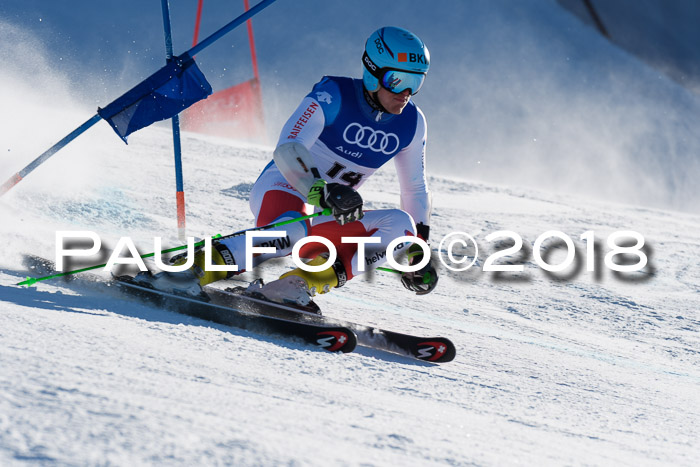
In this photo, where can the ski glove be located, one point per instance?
(425, 279)
(344, 201)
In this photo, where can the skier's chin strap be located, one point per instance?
(373, 101)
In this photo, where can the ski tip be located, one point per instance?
(336, 340)
(438, 350)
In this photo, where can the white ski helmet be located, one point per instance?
(395, 59)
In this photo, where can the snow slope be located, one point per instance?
(574, 371)
(574, 368)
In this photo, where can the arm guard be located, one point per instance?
(295, 163)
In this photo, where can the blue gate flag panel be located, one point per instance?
(164, 94)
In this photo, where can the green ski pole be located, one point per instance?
(29, 281)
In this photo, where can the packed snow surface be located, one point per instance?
(574, 367)
(584, 367)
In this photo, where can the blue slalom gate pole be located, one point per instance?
(177, 147)
(16, 178)
(179, 184)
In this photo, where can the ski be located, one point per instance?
(239, 314)
(432, 349)
(232, 307)
(220, 309)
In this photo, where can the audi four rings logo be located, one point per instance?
(369, 138)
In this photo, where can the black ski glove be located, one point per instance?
(344, 201)
(425, 279)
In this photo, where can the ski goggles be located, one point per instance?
(398, 81)
(395, 80)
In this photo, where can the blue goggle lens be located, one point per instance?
(398, 81)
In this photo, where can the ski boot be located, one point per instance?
(299, 286)
(191, 281)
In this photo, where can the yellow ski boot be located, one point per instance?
(220, 255)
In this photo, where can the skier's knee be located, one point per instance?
(403, 221)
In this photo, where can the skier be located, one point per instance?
(341, 133)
